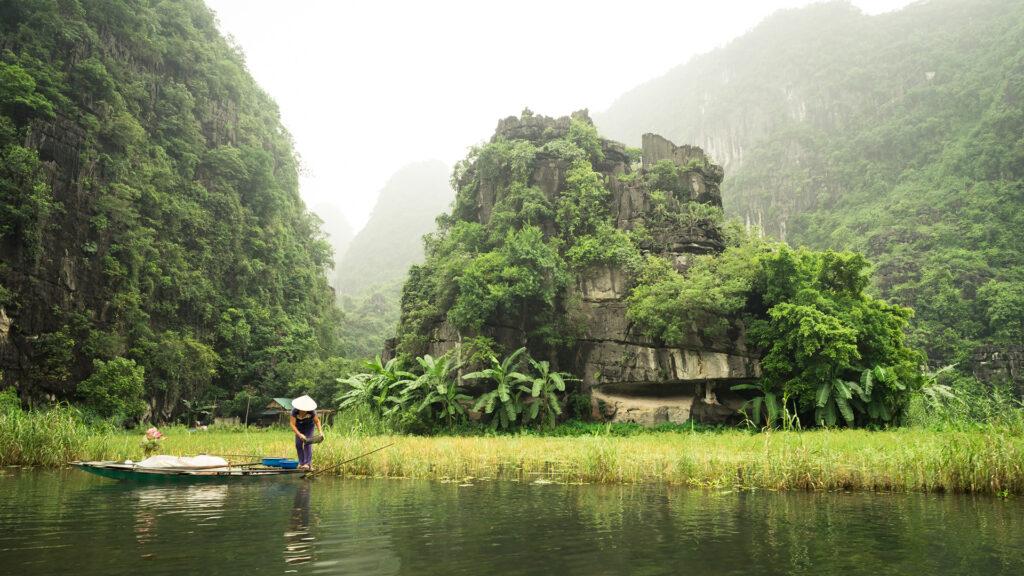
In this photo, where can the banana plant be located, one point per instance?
(434, 371)
(937, 394)
(847, 399)
(358, 390)
(433, 389)
(543, 404)
(504, 402)
(833, 399)
(193, 407)
(375, 388)
(766, 404)
(449, 400)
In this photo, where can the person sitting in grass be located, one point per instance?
(303, 420)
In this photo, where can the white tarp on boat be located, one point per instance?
(165, 461)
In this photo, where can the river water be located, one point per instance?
(67, 522)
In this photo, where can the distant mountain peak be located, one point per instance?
(391, 241)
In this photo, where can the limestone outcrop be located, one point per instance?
(631, 377)
(1000, 365)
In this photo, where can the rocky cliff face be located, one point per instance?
(995, 364)
(791, 107)
(632, 378)
(896, 135)
(58, 276)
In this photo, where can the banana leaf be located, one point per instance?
(860, 391)
(866, 381)
(824, 392)
(772, 403)
(510, 409)
(845, 409)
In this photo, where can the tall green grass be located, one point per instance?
(987, 460)
(47, 438)
(971, 405)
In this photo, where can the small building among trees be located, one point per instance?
(278, 411)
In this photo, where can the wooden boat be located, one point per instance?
(135, 473)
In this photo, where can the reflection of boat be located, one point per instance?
(134, 472)
(191, 498)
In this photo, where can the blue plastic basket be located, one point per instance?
(286, 463)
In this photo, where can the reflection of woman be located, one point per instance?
(298, 540)
(303, 420)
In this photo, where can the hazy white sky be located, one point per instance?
(366, 87)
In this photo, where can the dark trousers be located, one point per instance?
(304, 450)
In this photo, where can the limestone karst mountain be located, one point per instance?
(368, 276)
(149, 210)
(539, 211)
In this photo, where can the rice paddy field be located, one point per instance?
(986, 460)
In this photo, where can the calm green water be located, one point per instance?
(70, 523)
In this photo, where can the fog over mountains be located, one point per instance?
(391, 241)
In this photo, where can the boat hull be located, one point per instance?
(130, 473)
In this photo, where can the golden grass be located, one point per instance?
(897, 460)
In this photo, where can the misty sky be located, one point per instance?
(367, 87)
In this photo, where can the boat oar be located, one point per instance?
(336, 466)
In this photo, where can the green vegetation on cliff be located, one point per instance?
(149, 212)
(896, 135)
(512, 262)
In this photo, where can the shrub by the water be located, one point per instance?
(949, 400)
(518, 392)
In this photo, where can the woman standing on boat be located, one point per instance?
(303, 420)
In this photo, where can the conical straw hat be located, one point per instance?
(304, 403)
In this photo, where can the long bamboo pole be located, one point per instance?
(336, 466)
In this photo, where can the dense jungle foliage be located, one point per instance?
(431, 396)
(154, 243)
(157, 260)
(897, 135)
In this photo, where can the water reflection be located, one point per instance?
(51, 522)
(202, 504)
(298, 540)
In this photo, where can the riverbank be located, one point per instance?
(983, 461)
